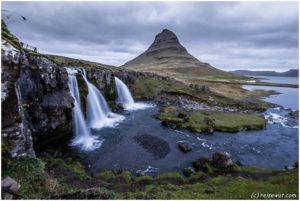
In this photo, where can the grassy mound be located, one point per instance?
(197, 121)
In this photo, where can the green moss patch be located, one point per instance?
(227, 77)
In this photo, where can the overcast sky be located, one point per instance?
(228, 35)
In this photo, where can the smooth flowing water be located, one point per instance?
(99, 115)
(82, 137)
(125, 98)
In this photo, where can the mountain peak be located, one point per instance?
(166, 36)
(166, 39)
(166, 56)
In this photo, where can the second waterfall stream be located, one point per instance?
(98, 113)
(125, 98)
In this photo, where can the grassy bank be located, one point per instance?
(197, 121)
(63, 178)
(221, 187)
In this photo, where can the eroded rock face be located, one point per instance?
(36, 103)
(105, 82)
(14, 125)
(45, 93)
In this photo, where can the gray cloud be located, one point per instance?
(229, 35)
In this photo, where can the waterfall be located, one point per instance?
(82, 137)
(99, 115)
(124, 95)
(125, 98)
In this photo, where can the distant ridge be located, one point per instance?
(166, 56)
(289, 73)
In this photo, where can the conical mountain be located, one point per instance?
(166, 56)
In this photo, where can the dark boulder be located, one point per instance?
(210, 125)
(9, 188)
(185, 147)
(169, 124)
(182, 115)
(202, 164)
(222, 160)
(296, 164)
(209, 190)
(188, 171)
(294, 114)
(201, 88)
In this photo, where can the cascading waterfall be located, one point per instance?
(99, 115)
(124, 95)
(125, 98)
(82, 138)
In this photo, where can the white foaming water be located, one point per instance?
(82, 138)
(274, 118)
(99, 115)
(125, 98)
(149, 169)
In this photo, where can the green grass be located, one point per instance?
(168, 175)
(37, 183)
(154, 87)
(227, 77)
(29, 172)
(70, 165)
(233, 122)
(225, 187)
(8, 36)
(66, 61)
(219, 121)
(255, 169)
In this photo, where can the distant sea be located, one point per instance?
(289, 97)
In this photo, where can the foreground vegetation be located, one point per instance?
(47, 177)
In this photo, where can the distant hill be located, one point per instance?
(166, 56)
(289, 73)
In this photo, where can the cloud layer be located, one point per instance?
(228, 35)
